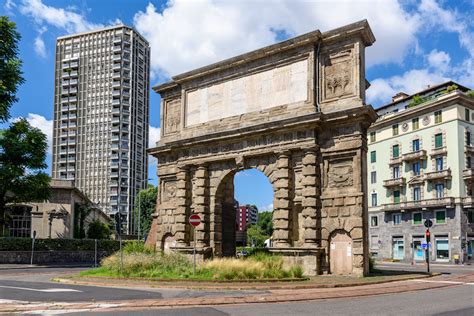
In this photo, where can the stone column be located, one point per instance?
(282, 203)
(201, 205)
(310, 193)
(182, 207)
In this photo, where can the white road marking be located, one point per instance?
(39, 290)
(441, 281)
(56, 312)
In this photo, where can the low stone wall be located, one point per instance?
(51, 257)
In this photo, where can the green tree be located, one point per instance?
(146, 200)
(98, 230)
(255, 236)
(10, 66)
(22, 159)
(22, 147)
(265, 222)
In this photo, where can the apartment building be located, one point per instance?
(245, 215)
(419, 165)
(101, 115)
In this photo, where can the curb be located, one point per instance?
(102, 282)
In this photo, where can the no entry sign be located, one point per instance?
(194, 220)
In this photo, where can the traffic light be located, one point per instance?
(428, 236)
(118, 223)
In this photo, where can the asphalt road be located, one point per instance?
(456, 301)
(34, 285)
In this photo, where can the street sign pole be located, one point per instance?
(194, 220)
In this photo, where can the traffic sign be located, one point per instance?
(428, 223)
(194, 220)
(424, 246)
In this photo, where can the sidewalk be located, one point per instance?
(282, 295)
(420, 263)
(37, 266)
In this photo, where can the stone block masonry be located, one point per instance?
(307, 135)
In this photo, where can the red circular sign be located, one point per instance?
(194, 220)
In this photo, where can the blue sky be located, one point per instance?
(419, 43)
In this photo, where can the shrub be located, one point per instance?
(98, 230)
(24, 244)
(452, 88)
(470, 93)
(371, 264)
(135, 246)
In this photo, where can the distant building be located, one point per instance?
(57, 217)
(101, 115)
(420, 166)
(245, 216)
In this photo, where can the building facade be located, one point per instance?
(101, 115)
(246, 215)
(419, 167)
(57, 217)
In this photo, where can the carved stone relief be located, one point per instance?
(173, 116)
(340, 174)
(169, 190)
(338, 75)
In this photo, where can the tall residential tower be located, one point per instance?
(101, 115)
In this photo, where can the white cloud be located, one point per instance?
(266, 208)
(65, 19)
(439, 60)
(381, 90)
(189, 34)
(40, 48)
(154, 135)
(9, 5)
(45, 125)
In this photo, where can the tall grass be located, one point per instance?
(144, 263)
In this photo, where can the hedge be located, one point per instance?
(24, 244)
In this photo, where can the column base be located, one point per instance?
(309, 258)
(202, 253)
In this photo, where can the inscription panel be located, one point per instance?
(278, 86)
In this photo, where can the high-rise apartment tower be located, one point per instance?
(101, 115)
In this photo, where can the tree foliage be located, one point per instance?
(22, 159)
(146, 200)
(265, 223)
(10, 66)
(98, 230)
(258, 233)
(22, 147)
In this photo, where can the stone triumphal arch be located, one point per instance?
(295, 111)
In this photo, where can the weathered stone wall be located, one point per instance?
(309, 140)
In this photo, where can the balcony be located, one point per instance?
(117, 48)
(397, 182)
(469, 149)
(468, 202)
(116, 84)
(438, 151)
(468, 174)
(117, 57)
(436, 175)
(115, 101)
(117, 66)
(116, 93)
(116, 74)
(447, 202)
(117, 39)
(395, 161)
(415, 155)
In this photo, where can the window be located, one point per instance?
(373, 156)
(416, 168)
(440, 217)
(470, 217)
(395, 151)
(468, 162)
(374, 221)
(373, 177)
(415, 124)
(396, 172)
(439, 163)
(396, 196)
(438, 117)
(374, 199)
(468, 138)
(417, 218)
(395, 130)
(439, 190)
(374, 241)
(467, 115)
(397, 219)
(415, 145)
(438, 140)
(416, 194)
(372, 137)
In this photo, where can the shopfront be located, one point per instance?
(442, 248)
(418, 251)
(398, 246)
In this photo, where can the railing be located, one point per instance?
(395, 161)
(442, 174)
(394, 182)
(443, 202)
(438, 151)
(415, 155)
